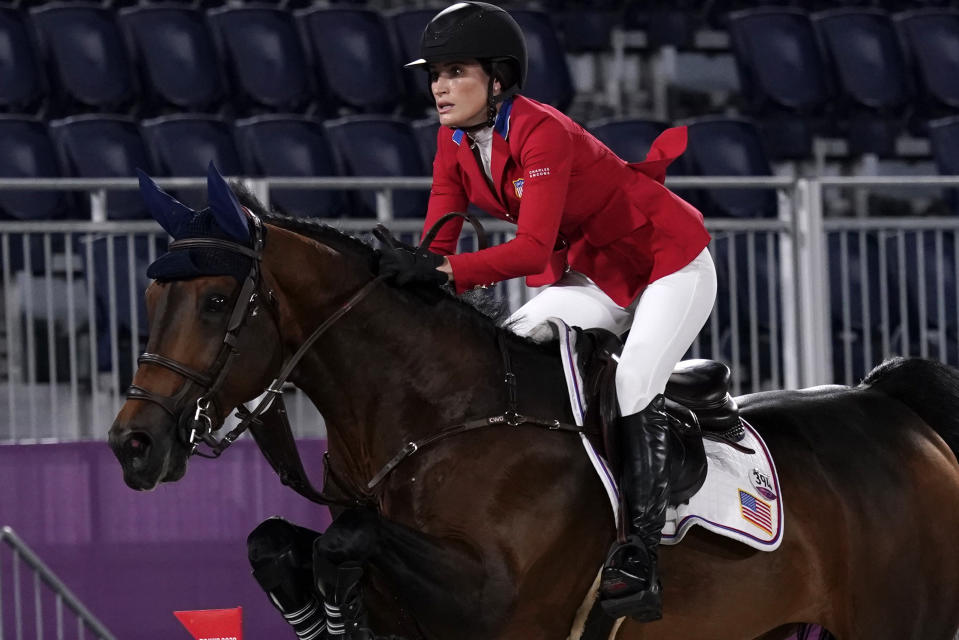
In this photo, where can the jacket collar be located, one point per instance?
(500, 126)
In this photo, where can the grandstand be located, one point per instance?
(824, 153)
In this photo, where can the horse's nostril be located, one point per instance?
(137, 447)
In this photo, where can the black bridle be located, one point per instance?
(196, 425)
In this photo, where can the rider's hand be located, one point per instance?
(407, 267)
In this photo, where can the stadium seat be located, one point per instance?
(183, 146)
(629, 138)
(291, 145)
(925, 261)
(115, 296)
(88, 62)
(104, 146)
(783, 77)
(174, 52)
(21, 86)
(408, 26)
(856, 278)
(380, 146)
(730, 147)
(548, 79)
(426, 131)
(26, 151)
(870, 68)
(355, 57)
(265, 58)
(932, 37)
(944, 139)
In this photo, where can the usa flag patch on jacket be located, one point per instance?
(518, 187)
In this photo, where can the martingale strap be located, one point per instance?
(511, 418)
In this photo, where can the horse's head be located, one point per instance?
(209, 315)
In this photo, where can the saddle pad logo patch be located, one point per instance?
(518, 187)
(756, 511)
(762, 484)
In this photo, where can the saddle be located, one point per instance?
(698, 406)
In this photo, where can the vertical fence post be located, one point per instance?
(384, 205)
(812, 286)
(790, 207)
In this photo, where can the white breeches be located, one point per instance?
(662, 322)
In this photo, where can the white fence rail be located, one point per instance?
(51, 610)
(803, 299)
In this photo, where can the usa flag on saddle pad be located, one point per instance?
(755, 510)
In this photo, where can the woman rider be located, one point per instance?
(616, 248)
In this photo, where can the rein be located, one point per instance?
(277, 443)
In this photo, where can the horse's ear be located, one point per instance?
(225, 207)
(165, 209)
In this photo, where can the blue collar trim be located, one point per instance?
(501, 126)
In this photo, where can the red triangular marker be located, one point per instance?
(213, 624)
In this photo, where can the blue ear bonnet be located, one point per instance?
(224, 219)
(194, 263)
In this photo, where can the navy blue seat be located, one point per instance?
(265, 58)
(26, 151)
(730, 147)
(927, 264)
(353, 54)
(290, 146)
(783, 76)
(944, 139)
(588, 29)
(183, 146)
(117, 298)
(408, 26)
(88, 62)
(864, 50)
(174, 52)
(629, 138)
(932, 37)
(857, 307)
(426, 131)
(380, 146)
(104, 146)
(548, 79)
(21, 79)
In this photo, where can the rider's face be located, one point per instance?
(459, 89)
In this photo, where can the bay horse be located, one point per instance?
(499, 533)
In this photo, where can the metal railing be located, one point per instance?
(74, 322)
(51, 600)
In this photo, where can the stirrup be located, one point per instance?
(623, 591)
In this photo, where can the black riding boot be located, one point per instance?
(281, 556)
(630, 584)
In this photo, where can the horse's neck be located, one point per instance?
(388, 371)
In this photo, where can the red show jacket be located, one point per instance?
(576, 204)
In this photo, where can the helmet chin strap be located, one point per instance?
(492, 101)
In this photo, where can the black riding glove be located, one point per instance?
(407, 267)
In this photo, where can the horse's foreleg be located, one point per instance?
(413, 574)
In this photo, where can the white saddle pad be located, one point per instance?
(740, 498)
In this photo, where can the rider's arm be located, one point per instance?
(546, 158)
(447, 194)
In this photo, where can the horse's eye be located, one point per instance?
(215, 303)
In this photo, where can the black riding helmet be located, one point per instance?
(481, 31)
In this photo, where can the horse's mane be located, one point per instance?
(481, 308)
